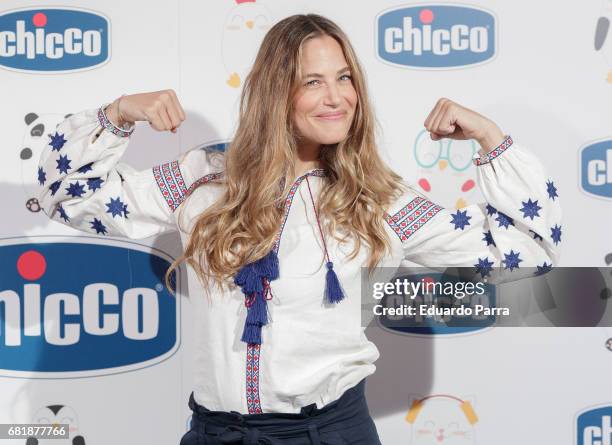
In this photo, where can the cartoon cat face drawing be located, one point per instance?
(442, 420)
(445, 172)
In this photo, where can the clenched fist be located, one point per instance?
(161, 109)
(448, 119)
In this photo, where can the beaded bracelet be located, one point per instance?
(106, 123)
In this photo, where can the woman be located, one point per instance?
(276, 230)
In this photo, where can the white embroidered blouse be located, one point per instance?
(311, 352)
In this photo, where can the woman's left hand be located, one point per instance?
(448, 119)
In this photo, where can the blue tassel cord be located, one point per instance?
(333, 290)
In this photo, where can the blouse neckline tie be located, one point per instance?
(254, 278)
(333, 291)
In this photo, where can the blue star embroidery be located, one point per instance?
(460, 219)
(63, 164)
(491, 210)
(555, 234)
(488, 238)
(552, 190)
(85, 168)
(484, 266)
(536, 236)
(94, 183)
(62, 213)
(504, 220)
(75, 189)
(57, 141)
(543, 269)
(42, 176)
(116, 207)
(511, 260)
(530, 209)
(54, 187)
(98, 226)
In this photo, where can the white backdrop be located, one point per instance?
(546, 84)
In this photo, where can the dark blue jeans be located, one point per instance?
(342, 422)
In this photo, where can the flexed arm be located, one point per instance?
(83, 184)
(519, 225)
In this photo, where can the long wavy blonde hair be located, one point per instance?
(241, 226)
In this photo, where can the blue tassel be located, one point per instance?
(257, 313)
(333, 291)
(257, 316)
(251, 278)
(268, 266)
(251, 334)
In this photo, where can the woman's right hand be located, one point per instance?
(161, 109)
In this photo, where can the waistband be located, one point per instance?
(268, 428)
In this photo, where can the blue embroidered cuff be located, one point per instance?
(106, 123)
(506, 144)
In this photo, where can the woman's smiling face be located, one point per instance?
(324, 104)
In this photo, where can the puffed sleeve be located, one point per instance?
(83, 184)
(518, 227)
